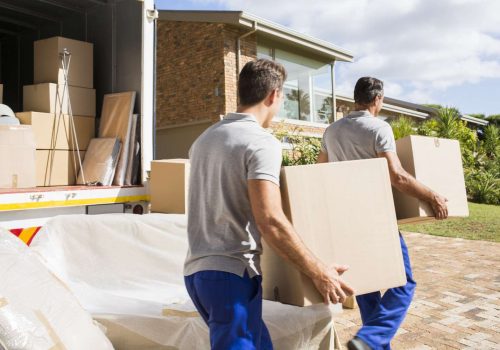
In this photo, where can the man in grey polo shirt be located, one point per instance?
(361, 135)
(234, 199)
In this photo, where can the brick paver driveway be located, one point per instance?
(457, 302)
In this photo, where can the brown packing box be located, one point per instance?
(17, 156)
(345, 215)
(49, 98)
(56, 133)
(169, 185)
(48, 67)
(437, 163)
(56, 167)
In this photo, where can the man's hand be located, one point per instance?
(439, 206)
(331, 286)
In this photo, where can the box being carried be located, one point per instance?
(344, 213)
(48, 67)
(169, 186)
(437, 163)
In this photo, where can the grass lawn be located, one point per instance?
(482, 224)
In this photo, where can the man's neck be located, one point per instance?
(258, 111)
(370, 109)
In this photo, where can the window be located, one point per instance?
(308, 89)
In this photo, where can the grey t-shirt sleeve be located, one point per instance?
(323, 144)
(384, 140)
(264, 162)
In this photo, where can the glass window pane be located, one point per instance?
(264, 52)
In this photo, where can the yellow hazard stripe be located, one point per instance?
(72, 203)
(27, 233)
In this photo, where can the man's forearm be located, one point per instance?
(407, 184)
(281, 236)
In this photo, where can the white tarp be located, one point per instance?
(127, 271)
(37, 312)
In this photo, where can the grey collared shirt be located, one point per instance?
(222, 232)
(359, 135)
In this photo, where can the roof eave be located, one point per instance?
(263, 27)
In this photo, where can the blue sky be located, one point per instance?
(426, 51)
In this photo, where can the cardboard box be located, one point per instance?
(57, 167)
(56, 133)
(48, 66)
(437, 163)
(51, 98)
(169, 186)
(344, 213)
(17, 156)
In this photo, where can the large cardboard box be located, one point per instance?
(17, 156)
(56, 133)
(344, 213)
(48, 67)
(169, 186)
(57, 167)
(437, 163)
(51, 98)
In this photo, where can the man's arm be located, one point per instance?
(406, 183)
(279, 233)
(322, 157)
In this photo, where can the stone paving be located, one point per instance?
(457, 302)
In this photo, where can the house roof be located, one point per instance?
(264, 28)
(474, 120)
(389, 107)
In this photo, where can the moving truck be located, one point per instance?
(123, 34)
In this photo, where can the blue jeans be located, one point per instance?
(382, 315)
(232, 308)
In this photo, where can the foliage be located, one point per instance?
(491, 141)
(478, 115)
(302, 149)
(494, 119)
(402, 127)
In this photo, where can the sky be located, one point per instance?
(426, 51)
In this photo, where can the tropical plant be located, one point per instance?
(491, 141)
(402, 127)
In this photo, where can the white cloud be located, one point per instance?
(418, 47)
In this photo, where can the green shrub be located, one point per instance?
(402, 127)
(303, 149)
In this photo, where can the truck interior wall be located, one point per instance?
(17, 54)
(115, 30)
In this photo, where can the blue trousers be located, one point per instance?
(232, 308)
(382, 315)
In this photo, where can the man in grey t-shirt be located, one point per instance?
(361, 135)
(234, 200)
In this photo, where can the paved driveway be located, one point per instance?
(457, 302)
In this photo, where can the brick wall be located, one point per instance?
(248, 50)
(190, 72)
(196, 71)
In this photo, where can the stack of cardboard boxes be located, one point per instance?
(48, 105)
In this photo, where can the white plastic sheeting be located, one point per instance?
(37, 312)
(127, 271)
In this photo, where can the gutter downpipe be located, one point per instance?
(238, 47)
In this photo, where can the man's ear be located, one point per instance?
(271, 98)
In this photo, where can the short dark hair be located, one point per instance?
(257, 79)
(366, 89)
